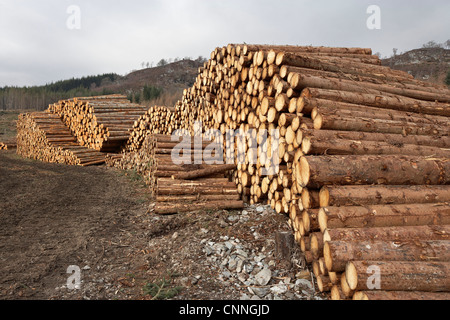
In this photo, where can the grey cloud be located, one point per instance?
(116, 36)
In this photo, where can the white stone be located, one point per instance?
(263, 277)
(279, 289)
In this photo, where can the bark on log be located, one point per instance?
(401, 295)
(386, 233)
(317, 171)
(338, 253)
(396, 139)
(394, 102)
(331, 122)
(196, 190)
(314, 146)
(161, 209)
(313, 106)
(384, 216)
(377, 195)
(301, 82)
(399, 276)
(284, 243)
(203, 172)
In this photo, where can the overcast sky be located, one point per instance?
(37, 46)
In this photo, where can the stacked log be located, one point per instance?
(182, 177)
(43, 136)
(157, 120)
(375, 178)
(361, 147)
(354, 153)
(102, 123)
(9, 144)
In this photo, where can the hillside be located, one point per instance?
(172, 79)
(167, 84)
(428, 64)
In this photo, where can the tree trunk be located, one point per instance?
(312, 106)
(395, 102)
(338, 253)
(317, 171)
(314, 146)
(192, 175)
(401, 295)
(335, 196)
(399, 275)
(301, 82)
(161, 209)
(195, 190)
(384, 216)
(332, 122)
(284, 243)
(395, 139)
(386, 233)
(310, 220)
(324, 283)
(199, 197)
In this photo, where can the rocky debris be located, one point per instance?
(253, 269)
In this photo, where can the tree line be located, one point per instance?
(39, 97)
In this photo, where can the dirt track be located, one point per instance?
(99, 219)
(54, 216)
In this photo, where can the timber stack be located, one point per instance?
(364, 171)
(102, 123)
(3, 146)
(182, 177)
(43, 136)
(157, 120)
(356, 155)
(186, 178)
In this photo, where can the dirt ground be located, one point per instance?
(99, 219)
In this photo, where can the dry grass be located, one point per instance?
(168, 99)
(8, 119)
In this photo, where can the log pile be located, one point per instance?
(356, 155)
(102, 123)
(181, 178)
(363, 149)
(43, 136)
(8, 144)
(157, 120)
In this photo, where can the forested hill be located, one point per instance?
(39, 97)
(161, 85)
(427, 64)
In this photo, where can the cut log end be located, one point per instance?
(305, 174)
(360, 296)
(336, 293)
(318, 122)
(351, 275)
(324, 197)
(327, 256)
(323, 219)
(306, 145)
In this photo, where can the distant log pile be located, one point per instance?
(363, 149)
(102, 123)
(42, 136)
(9, 144)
